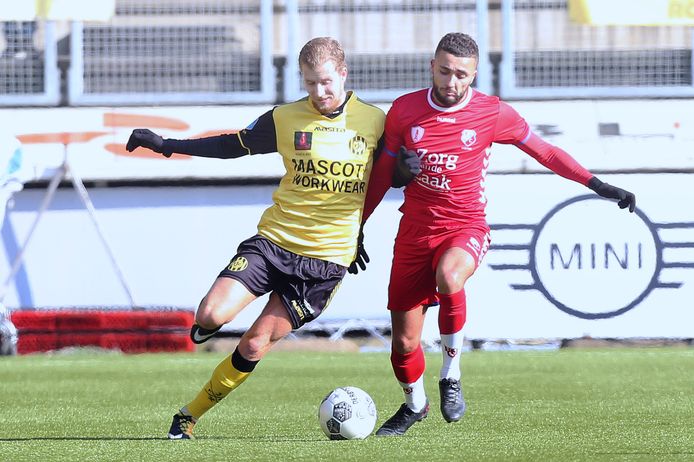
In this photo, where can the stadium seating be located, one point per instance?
(558, 68)
(176, 58)
(21, 76)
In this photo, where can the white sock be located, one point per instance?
(415, 396)
(451, 345)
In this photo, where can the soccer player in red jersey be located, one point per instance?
(445, 134)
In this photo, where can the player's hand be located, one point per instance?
(408, 166)
(362, 257)
(147, 139)
(625, 198)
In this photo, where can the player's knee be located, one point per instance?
(453, 272)
(403, 344)
(451, 281)
(207, 315)
(253, 347)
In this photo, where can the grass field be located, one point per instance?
(612, 404)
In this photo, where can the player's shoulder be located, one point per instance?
(413, 98)
(361, 105)
(484, 99)
(293, 106)
(361, 112)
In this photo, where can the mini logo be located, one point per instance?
(417, 133)
(357, 145)
(566, 263)
(447, 120)
(451, 352)
(238, 264)
(407, 390)
(468, 137)
(302, 141)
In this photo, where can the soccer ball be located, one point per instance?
(347, 413)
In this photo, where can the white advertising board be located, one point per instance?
(568, 264)
(563, 264)
(649, 135)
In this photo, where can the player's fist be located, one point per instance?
(408, 166)
(362, 257)
(147, 139)
(624, 198)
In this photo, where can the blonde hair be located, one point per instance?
(321, 49)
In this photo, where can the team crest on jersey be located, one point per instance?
(468, 137)
(302, 141)
(417, 133)
(357, 145)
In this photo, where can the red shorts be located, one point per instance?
(415, 257)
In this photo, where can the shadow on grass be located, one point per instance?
(158, 438)
(86, 438)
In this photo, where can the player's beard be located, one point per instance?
(447, 100)
(326, 106)
(330, 105)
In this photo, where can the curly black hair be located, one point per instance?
(459, 44)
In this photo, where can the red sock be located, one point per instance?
(452, 312)
(408, 367)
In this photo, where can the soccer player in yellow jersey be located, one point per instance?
(307, 239)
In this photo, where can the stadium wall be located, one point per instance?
(563, 264)
(604, 135)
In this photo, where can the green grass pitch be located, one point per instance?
(611, 404)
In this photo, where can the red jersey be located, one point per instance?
(454, 145)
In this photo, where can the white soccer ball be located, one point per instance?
(347, 413)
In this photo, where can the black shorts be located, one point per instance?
(305, 285)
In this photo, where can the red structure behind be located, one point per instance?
(128, 331)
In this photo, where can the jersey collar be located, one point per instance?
(466, 99)
(340, 109)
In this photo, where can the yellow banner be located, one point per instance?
(58, 10)
(76, 10)
(632, 12)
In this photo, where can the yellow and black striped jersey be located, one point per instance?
(317, 208)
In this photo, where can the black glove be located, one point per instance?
(147, 139)
(408, 166)
(625, 198)
(362, 257)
